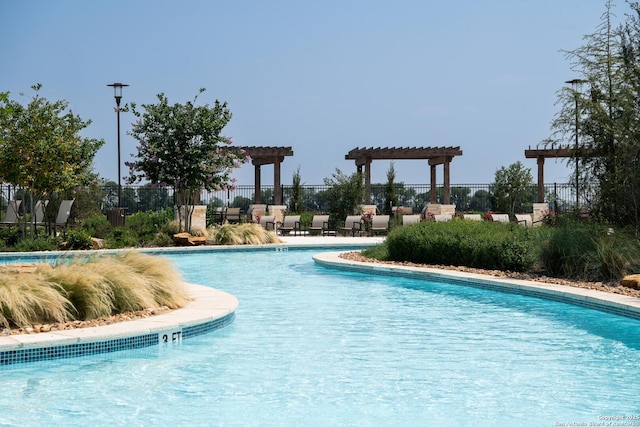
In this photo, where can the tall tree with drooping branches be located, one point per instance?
(181, 146)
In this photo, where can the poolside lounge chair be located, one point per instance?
(352, 224)
(411, 219)
(379, 224)
(62, 219)
(443, 217)
(319, 224)
(524, 219)
(268, 222)
(12, 216)
(219, 215)
(472, 217)
(291, 223)
(233, 215)
(39, 210)
(500, 217)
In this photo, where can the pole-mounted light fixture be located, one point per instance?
(576, 84)
(117, 94)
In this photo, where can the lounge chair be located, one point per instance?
(291, 223)
(39, 210)
(12, 216)
(524, 219)
(219, 215)
(352, 224)
(233, 215)
(411, 219)
(268, 222)
(472, 217)
(500, 218)
(443, 217)
(319, 224)
(379, 224)
(62, 219)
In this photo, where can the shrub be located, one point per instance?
(97, 225)
(40, 243)
(579, 250)
(77, 240)
(477, 244)
(146, 224)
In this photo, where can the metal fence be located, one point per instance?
(466, 197)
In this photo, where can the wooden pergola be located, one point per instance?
(267, 156)
(435, 156)
(551, 153)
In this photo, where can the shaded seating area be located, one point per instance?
(290, 224)
(319, 224)
(352, 224)
(379, 224)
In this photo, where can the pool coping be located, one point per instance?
(208, 310)
(622, 305)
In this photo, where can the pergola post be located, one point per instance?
(256, 181)
(540, 179)
(447, 181)
(277, 187)
(433, 199)
(367, 181)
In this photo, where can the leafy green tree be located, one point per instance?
(344, 195)
(41, 148)
(181, 146)
(390, 196)
(511, 188)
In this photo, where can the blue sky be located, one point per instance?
(322, 77)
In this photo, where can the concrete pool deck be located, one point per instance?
(216, 308)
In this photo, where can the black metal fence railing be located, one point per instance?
(466, 197)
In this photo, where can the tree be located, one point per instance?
(511, 187)
(344, 194)
(390, 197)
(295, 201)
(606, 117)
(181, 146)
(41, 148)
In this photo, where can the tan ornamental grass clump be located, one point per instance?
(242, 234)
(89, 288)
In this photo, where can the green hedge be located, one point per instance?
(480, 244)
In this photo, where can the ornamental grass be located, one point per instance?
(88, 288)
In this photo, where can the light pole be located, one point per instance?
(576, 85)
(117, 94)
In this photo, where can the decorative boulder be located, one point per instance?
(631, 281)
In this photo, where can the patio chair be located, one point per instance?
(411, 219)
(524, 219)
(12, 216)
(379, 224)
(291, 223)
(443, 217)
(500, 218)
(320, 224)
(268, 222)
(352, 224)
(39, 210)
(233, 215)
(62, 219)
(472, 217)
(219, 215)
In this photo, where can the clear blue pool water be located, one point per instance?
(312, 346)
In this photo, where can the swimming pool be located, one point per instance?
(314, 346)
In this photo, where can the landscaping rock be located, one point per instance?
(631, 281)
